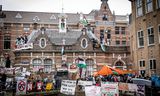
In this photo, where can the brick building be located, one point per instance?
(145, 36)
(53, 40)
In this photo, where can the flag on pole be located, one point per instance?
(84, 21)
(82, 64)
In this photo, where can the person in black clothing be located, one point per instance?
(8, 62)
(3, 80)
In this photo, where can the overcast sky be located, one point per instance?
(121, 7)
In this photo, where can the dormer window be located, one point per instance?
(42, 43)
(105, 17)
(62, 23)
(84, 43)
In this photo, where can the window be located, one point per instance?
(26, 27)
(142, 63)
(47, 65)
(117, 42)
(158, 3)
(101, 36)
(7, 42)
(149, 6)
(117, 30)
(37, 64)
(150, 36)
(62, 23)
(124, 42)
(152, 64)
(42, 43)
(105, 18)
(139, 7)
(84, 43)
(90, 67)
(140, 39)
(123, 30)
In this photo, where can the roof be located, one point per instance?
(41, 17)
(56, 38)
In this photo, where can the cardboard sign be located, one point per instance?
(109, 89)
(29, 86)
(39, 85)
(21, 87)
(49, 86)
(68, 87)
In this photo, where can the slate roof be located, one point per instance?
(44, 17)
(56, 38)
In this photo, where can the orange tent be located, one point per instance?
(119, 71)
(104, 71)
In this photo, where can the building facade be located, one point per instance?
(51, 41)
(145, 36)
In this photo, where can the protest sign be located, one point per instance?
(132, 87)
(109, 89)
(49, 86)
(139, 81)
(85, 83)
(21, 87)
(140, 90)
(92, 91)
(39, 85)
(123, 86)
(29, 86)
(68, 87)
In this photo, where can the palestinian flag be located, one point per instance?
(84, 21)
(82, 64)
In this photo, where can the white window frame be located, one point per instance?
(41, 44)
(139, 7)
(152, 64)
(84, 47)
(48, 66)
(149, 28)
(139, 46)
(148, 2)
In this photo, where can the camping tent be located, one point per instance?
(105, 70)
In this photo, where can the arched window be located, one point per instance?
(37, 64)
(62, 23)
(47, 65)
(90, 67)
(84, 43)
(119, 64)
(42, 43)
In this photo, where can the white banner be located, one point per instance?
(21, 87)
(85, 83)
(109, 89)
(132, 87)
(92, 91)
(68, 87)
(24, 46)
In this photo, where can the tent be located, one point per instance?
(105, 71)
(119, 71)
